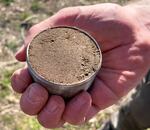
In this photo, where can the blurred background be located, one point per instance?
(16, 17)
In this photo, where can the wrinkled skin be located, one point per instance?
(125, 48)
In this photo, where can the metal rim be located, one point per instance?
(42, 79)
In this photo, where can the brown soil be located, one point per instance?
(63, 55)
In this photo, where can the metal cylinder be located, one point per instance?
(67, 90)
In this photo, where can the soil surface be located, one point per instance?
(64, 55)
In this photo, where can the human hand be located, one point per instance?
(125, 49)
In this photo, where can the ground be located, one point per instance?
(16, 16)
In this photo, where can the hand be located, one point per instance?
(125, 50)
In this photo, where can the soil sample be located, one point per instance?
(64, 56)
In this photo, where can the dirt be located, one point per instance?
(64, 55)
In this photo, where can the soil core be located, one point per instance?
(64, 55)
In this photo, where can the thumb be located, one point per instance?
(65, 16)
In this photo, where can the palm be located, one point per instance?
(122, 66)
(122, 59)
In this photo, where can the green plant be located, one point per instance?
(24, 15)
(5, 80)
(11, 45)
(5, 83)
(35, 6)
(32, 123)
(6, 2)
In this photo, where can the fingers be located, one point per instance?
(77, 109)
(102, 96)
(33, 99)
(50, 116)
(20, 80)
